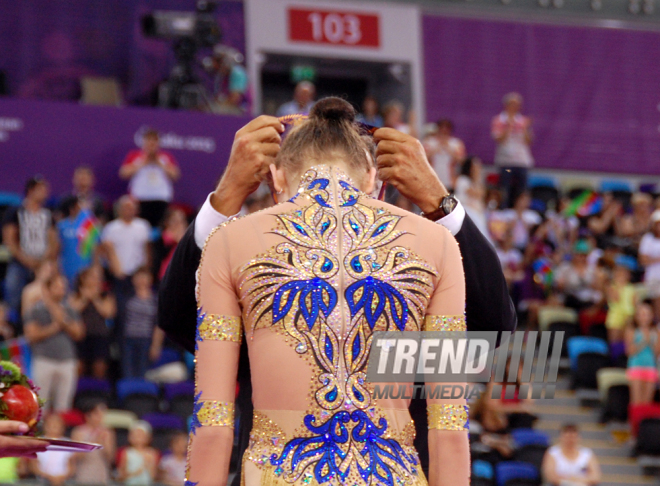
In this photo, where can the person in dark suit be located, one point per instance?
(402, 163)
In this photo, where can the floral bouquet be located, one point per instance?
(18, 397)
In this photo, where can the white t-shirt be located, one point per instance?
(521, 224)
(565, 467)
(514, 150)
(442, 157)
(650, 246)
(54, 463)
(175, 469)
(511, 259)
(151, 182)
(128, 240)
(463, 185)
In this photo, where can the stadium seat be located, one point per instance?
(117, 419)
(648, 437)
(180, 397)
(482, 469)
(585, 344)
(525, 437)
(612, 185)
(137, 395)
(543, 190)
(608, 377)
(549, 314)
(585, 373)
(477, 481)
(509, 470)
(536, 180)
(637, 413)
(531, 454)
(616, 404)
(91, 389)
(168, 355)
(598, 331)
(163, 425)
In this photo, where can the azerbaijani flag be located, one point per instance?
(585, 204)
(88, 233)
(543, 274)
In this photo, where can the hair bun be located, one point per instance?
(333, 109)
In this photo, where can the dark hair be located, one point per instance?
(33, 182)
(466, 166)
(445, 122)
(88, 406)
(151, 133)
(569, 427)
(143, 269)
(330, 128)
(68, 203)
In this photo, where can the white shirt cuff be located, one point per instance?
(207, 219)
(453, 221)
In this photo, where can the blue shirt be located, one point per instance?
(71, 261)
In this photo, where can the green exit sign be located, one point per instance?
(303, 73)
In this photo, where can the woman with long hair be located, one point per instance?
(309, 281)
(641, 340)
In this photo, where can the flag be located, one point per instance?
(88, 233)
(543, 274)
(585, 204)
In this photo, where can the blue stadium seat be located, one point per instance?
(615, 186)
(541, 181)
(135, 386)
(482, 469)
(168, 355)
(585, 344)
(163, 427)
(10, 199)
(508, 470)
(524, 437)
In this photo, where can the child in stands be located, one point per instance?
(620, 299)
(172, 468)
(141, 313)
(138, 464)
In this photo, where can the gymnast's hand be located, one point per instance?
(18, 446)
(255, 147)
(402, 162)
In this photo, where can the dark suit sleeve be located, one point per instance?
(488, 306)
(177, 305)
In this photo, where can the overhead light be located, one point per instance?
(558, 3)
(596, 5)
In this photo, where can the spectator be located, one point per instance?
(303, 100)
(445, 152)
(126, 242)
(520, 219)
(6, 329)
(174, 227)
(151, 173)
(83, 190)
(469, 189)
(393, 117)
(493, 420)
(94, 467)
(52, 327)
(642, 350)
(231, 80)
(605, 224)
(570, 464)
(29, 234)
(649, 258)
(633, 226)
(563, 227)
(511, 259)
(79, 235)
(141, 313)
(95, 308)
(621, 299)
(577, 280)
(53, 467)
(370, 112)
(172, 467)
(34, 291)
(513, 134)
(138, 464)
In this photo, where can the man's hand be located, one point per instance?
(255, 147)
(18, 446)
(403, 164)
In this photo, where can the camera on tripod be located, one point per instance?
(190, 32)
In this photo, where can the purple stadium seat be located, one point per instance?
(182, 388)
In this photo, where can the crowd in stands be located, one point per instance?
(81, 284)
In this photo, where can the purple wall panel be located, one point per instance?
(592, 93)
(52, 138)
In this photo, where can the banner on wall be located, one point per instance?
(52, 138)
